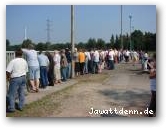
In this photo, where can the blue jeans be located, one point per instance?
(68, 71)
(43, 76)
(86, 66)
(16, 87)
(34, 72)
(95, 67)
(111, 64)
(63, 73)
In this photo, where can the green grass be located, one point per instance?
(45, 106)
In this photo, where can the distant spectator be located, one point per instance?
(50, 69)
(44, 63)
(152, 76)
(81, 61)
(57, 66)
(111, 55)
(76, 60)
(64, 65)
(96, 62)
(145, 61)
(68, 57)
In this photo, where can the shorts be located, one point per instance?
(34, 72)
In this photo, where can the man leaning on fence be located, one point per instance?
(16, 75)
(34, 69)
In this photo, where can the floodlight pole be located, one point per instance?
(121, 30)
(130, 30)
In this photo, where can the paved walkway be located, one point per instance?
(31, 97)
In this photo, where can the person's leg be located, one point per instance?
(67, 71)
(37, 76)
(152, 105)
(58, 75)
(21, 93)
(31, 77)
(113, 65)
(63, 71)
(12, 93)
(46, 76)
(45, 79)
(42, 77)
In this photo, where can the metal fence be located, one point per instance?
(11, 55)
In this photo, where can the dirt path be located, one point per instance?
(125, 88)
(121, 92)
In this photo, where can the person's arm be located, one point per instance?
(8, 75)
(152, 72)
(9, 70)
(24, 50)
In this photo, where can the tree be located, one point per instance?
(7, 45)
(149, 41)
(26, 43)
(112, 41)
(100, 44)
(47, 45)
(126, 44)
(91, 44)
(81, 45)
(136, 38)
(117, 42)
(41, 47)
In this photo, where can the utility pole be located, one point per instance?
(72, 41)
(121, 29)
(130, 30)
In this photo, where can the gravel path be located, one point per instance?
(111, 93)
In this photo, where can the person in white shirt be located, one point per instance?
(111, 55)
(57, 72)
(96, 62)
(145, 62)
(16, 75)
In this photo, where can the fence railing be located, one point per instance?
(11, 55)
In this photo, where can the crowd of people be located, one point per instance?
(48, 69)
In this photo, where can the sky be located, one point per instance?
(90, 21)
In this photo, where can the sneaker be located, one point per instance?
(10, 111)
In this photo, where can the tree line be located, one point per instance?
(139, 41)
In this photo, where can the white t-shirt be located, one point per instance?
(57, 60)
(96, 56)
(111, 55)
(17, 67)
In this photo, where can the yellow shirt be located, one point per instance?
(81, 57)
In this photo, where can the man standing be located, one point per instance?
(16, 74)
(44, 63)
